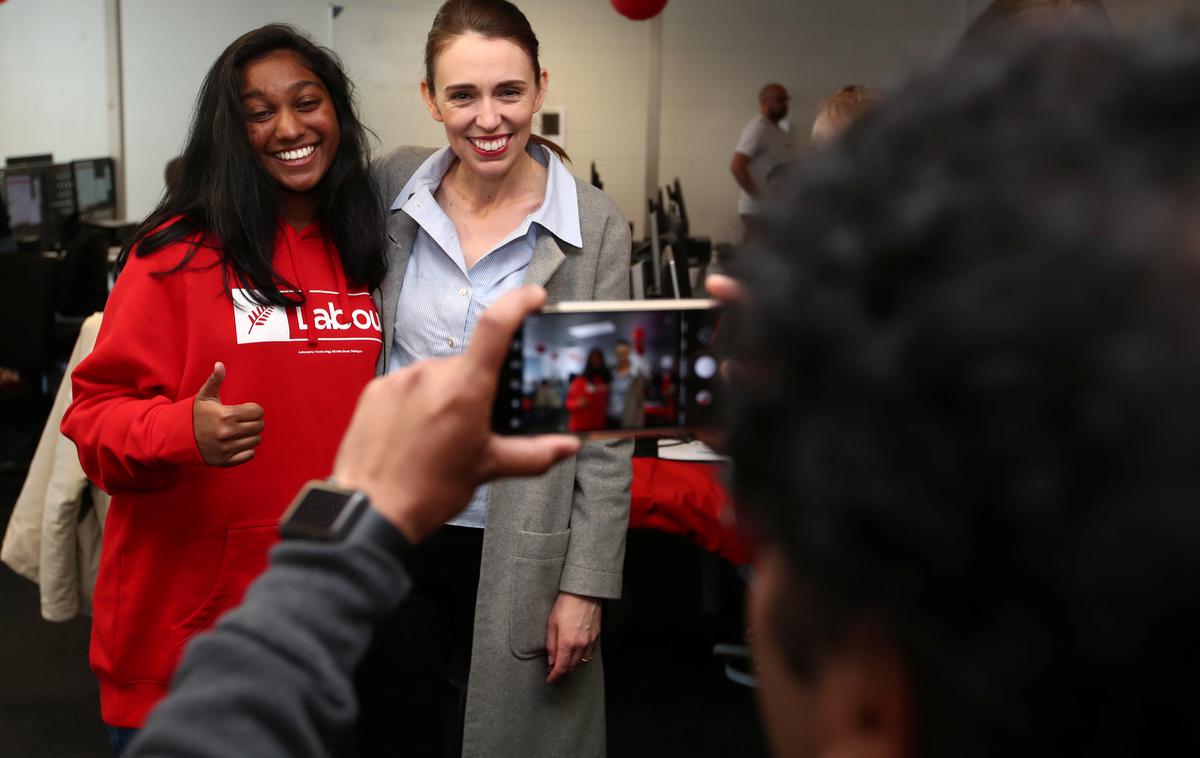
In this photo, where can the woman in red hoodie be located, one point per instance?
(233, 349)
(587, 395)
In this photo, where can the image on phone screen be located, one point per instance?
(612, 369)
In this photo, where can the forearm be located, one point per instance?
(603, 470)
(741, 174)
(130, 443)
(130, 417)
(275, 676)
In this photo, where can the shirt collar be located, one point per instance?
(558, 213)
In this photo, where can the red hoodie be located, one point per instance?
(182, 539)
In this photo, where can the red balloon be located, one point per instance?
(639, 10)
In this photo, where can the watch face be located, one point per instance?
(314, 514)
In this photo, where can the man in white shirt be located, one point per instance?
(763, 152)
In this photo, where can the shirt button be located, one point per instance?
(450, 343)
(462, 292)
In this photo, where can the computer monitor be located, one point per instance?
(37, 159)
(59, 214)
(23, 196)
(95, 189)
(41, 204)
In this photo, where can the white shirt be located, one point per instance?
(768, 146)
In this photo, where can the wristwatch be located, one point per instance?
(328, 513)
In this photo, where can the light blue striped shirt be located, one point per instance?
(441, 298)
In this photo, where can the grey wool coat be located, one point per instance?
(563, 531)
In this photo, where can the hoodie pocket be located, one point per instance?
(537, 569)
(243, 557)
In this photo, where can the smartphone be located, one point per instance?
(618, 368)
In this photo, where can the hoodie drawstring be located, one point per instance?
(306, 304)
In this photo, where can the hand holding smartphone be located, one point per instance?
(619, 368)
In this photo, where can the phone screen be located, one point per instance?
(612, 369)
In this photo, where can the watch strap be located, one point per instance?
(326, 512)
(370, 527)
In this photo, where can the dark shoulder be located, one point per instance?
(392, 171)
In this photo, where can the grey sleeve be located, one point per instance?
(604, 468)
(274, 678)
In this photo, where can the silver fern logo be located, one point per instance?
(259, 316)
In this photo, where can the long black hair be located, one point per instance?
(224, 199)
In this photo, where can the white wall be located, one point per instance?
(53, 79)
(715, 61)
(381, 45)
(167, 48)
(54, 93)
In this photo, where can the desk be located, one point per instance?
(687, 499)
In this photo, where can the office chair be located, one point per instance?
(28, 289)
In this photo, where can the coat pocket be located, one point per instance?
(537, 569)
(243, 558)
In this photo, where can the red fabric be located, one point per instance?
(686, 499)
(182, 540)
(586, 404)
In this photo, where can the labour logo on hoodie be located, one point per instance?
(328, 316)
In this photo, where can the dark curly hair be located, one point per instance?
(222, 196)
(967, 395)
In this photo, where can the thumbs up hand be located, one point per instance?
(225, 434)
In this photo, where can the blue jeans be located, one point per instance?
(119, 738)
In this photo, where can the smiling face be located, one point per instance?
(485, 93)
(290, 121)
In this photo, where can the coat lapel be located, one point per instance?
(547, 257)
(401, 231)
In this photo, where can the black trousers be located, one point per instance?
(412, 684)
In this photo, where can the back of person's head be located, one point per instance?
(171, 173)
(1003, 16)
(966, 392)
(837, 112)
(221, 191)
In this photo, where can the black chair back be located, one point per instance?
(28, 285)
(83, 282)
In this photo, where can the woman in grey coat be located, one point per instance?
(530, 560)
